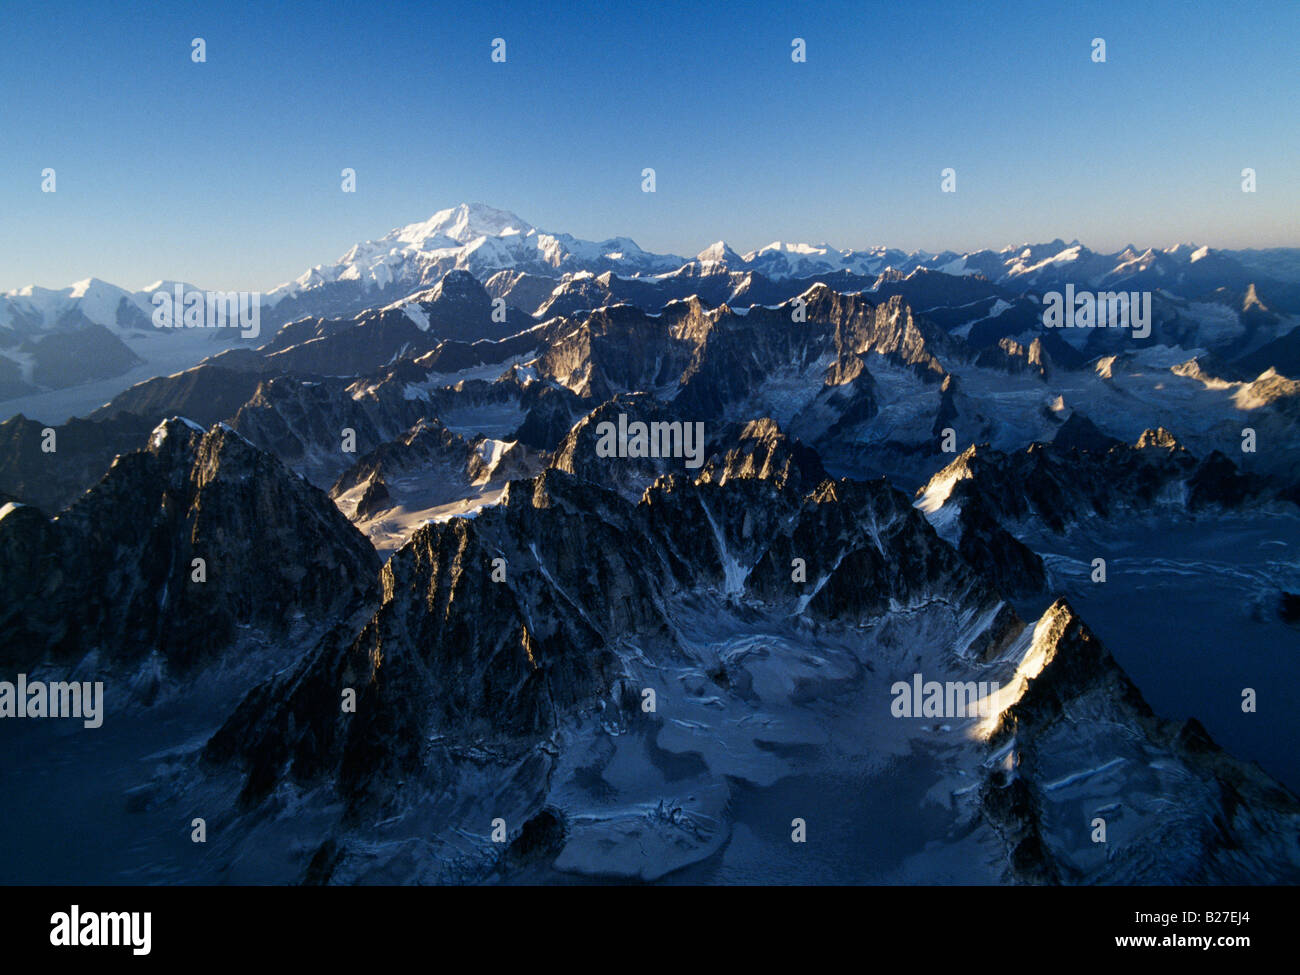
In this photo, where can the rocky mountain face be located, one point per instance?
(1056, 485)
(115, 574)
(428, 468)
(585, 577)
(458, 309)
(303, 423)
(756, 449)
(1205, 817)
(719, 359)
(763, 451)
(578, 453)
(424, 446)
(1013, 357)
(983, 496)
(532, 683)
(520, 289)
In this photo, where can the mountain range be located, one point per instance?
(369, 597)
(483, 240)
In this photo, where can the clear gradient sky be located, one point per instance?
(226, 174)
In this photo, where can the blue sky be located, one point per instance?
(226, 174)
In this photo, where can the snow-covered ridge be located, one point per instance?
(483, 240)
(477, 238)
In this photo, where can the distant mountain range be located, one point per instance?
(483, 241)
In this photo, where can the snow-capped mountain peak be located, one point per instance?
(471, 237)
(462, 224)
(719, 253)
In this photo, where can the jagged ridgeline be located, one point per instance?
(503, 668)
(1082, 475)
(521, 696)
(179, 547)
